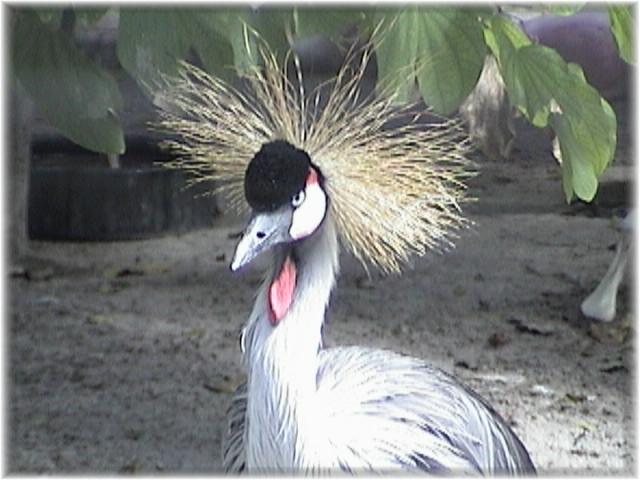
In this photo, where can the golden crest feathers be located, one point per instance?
(393, 174)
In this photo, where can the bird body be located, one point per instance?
(315, 179)
(351, 409)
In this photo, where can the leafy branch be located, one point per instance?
(439, 51)
(73, 93)
(548, 91)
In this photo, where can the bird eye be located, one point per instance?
(297, 199)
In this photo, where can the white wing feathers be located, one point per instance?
(382, 411)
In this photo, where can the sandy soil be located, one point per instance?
(123, 356)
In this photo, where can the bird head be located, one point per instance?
(285, 192)
(393, 172)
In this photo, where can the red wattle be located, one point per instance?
(312, 176)
(281, 291)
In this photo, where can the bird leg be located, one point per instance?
(601, 304)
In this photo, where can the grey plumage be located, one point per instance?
(233, 454)
(399, 399)
(353, 408)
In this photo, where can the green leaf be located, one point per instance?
(547, 90)
(397, 52)
(454, 49)
(585, 155)
(50, 16)
(310, 21)
(73, 93)
(232, 35)
(272, 24)
(622, 29)
(88, 15)
(151, 41)
(442, 47)
(530, 86)
(217, 37)
(503, 37)
(562, 9)
(542, 8)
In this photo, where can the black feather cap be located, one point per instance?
(275, 174)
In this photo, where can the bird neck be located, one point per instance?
(299, 332)
(282, 358)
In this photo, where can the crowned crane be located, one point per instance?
(314, 176)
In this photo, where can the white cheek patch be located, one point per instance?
(307, 217)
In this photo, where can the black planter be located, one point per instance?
(76, 196)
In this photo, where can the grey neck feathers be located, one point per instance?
(299, 331)
(282, 360)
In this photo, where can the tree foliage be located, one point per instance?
(442, 48)
(548, 91)
(73, 93)
(621, 20)
(438, 50)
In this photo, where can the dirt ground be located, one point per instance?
(123, 356)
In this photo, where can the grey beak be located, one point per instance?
(264, 230)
